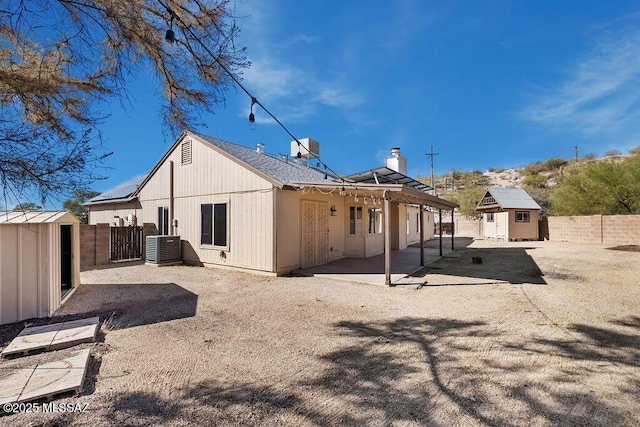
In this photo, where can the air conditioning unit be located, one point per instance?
(162, 249)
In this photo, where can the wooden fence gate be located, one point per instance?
(126, 243)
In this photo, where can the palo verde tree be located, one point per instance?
(603, 187)
(468, 199)
(61, 59)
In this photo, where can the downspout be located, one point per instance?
(274, 213)
(171, 228)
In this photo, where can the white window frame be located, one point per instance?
(377, 221)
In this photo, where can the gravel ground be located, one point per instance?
(539, 333)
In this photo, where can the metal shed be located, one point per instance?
(39, 262)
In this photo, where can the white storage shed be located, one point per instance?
(39, 263)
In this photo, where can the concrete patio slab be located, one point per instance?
(371, 270)
(54, 336)
(43, 381)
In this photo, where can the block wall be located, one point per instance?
(603, 229)
(468, 227)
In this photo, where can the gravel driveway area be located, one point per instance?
(539, 333)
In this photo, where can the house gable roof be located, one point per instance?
(507, 198)
(281, 171)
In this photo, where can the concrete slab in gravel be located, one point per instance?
(44, 381)
(55, 336)
(76, 332)
(12, 382)
(57, 377)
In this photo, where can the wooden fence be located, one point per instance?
(126, 243)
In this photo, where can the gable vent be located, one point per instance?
(186, 152)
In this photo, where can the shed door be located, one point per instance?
(315, 233)
(501, 225)
(66, 257)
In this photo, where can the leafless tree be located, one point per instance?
(61, 59)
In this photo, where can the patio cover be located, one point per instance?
(400, 192)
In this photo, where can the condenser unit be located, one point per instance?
(162, 249)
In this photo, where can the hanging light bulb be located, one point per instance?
(252, 117)
(342, 191)
(170, 36)
(365, 200)
(355, 199)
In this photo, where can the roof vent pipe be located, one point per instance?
(260, 147)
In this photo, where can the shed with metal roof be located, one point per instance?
(509, 214)
(39, 262)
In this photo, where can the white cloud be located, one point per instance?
(277, 79)
(601, 94)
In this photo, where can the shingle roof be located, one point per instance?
(282, 169)
(513, 198)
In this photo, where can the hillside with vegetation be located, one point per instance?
(609, 185)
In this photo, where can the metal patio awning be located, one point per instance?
(403, 193)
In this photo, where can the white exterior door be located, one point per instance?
(315, 233)
(501, 225)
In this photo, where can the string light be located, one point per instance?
(365, 200)
(355, 199)
(170, 36)
(252, 117)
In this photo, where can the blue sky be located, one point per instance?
(487, 83)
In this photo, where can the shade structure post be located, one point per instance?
(452, 230)
(421, 219)
(387, 237)
(440, 219)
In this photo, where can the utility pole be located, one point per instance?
(431, 154)
(576, 147)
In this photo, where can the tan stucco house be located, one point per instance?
(243, 207)
(509, 214)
